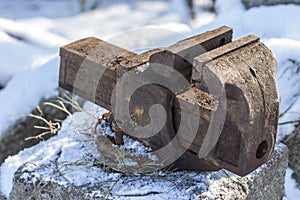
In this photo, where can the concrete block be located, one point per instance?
(65, 167)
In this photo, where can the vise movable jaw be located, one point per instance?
(219, 97)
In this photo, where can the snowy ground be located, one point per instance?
(32, 31)
(72, 160)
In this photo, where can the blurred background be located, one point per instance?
(31, 32)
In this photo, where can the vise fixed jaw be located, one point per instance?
(222, 113)
(245, 69)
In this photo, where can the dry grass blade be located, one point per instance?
(52, 127)
(70, 101)
(40, 118)
(62, 107)
(286, 111)
(42, 127)
(289, 122)
(40, 136)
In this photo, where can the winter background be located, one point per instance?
(31, 33)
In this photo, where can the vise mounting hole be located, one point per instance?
(262, 149)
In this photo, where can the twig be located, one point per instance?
(284, 112)
(289, 122)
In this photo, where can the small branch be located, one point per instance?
(288, 122)
(141, 195)
(284, 112)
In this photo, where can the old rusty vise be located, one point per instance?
(211, 102)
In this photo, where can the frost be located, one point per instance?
(141, 68)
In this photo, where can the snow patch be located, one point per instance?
(25, 90)
(70, 158)
(291, 188)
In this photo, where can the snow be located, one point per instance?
(59, 147)
(291, 189)
(25, 90)
(20, 9)
(39, 39)
(32, 31)
(60, 165)
(260, 21)
(79, 169)
(287, 52)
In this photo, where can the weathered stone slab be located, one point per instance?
(65, 167)
(293, 143)
(255, 3)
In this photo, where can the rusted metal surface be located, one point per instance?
(247, 70)
(217, 78)
(87, 62)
